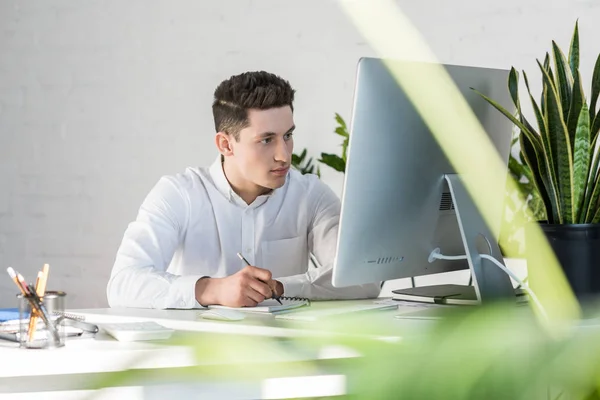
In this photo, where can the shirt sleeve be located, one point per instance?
(139, 277)
(316, 283)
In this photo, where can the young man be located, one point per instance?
(181, 251)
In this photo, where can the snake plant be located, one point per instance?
(561, 151)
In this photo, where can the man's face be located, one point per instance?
(263, 153)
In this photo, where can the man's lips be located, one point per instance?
(280, 171)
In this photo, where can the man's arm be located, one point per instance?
(315, 284)
(139, 277)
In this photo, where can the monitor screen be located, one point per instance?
(397, 202)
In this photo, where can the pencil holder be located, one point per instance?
(37, 327)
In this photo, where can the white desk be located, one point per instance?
(82, 362)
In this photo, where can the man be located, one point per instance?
(181, 251)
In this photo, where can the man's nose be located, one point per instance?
(282, 152)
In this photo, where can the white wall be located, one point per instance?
(98, 99)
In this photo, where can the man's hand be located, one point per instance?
(246, 288)
(278, 288)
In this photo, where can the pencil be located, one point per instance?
(34, 301)
(33, 318)
(40, 290)
(20, 282)
(273, 293)
(13, 275)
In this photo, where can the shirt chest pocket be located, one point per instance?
(285, 257)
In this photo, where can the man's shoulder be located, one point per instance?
(310, 184)
(304, 181)
(191, 179)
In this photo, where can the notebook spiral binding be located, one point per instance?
(68, 315)
(295, 298)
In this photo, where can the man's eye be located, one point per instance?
(266, 140)
(288, 135)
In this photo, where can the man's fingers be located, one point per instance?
(261, 288)
(254, 296)
(260, 273)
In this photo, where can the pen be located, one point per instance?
(273, 294)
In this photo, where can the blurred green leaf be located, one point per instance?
(334, 161)
(304, 168)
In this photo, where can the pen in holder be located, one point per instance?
(38, 320)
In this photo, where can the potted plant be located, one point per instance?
(562, 155)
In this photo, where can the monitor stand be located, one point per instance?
(489, 282)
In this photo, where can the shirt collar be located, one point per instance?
(219, 179)
(222, 184)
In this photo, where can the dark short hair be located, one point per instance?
(235, 96)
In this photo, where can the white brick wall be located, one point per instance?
(98, 99)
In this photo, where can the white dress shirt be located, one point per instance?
(192, 225)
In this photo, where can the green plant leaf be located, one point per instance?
(537, 153)
(534, 138)
(540, 178)
(595, 129)
(334, 161)
(592, 176)
(538, 114)
(595, 88)
(542, 124)
(595, 155)
(581, 161)
(309, 167)
(297, 159)
(345, 150)
(528, 175)
(341, 121)
(577, 100)
(513, 88)
(574, 50)
(516, 168)
(521, 158)
(593, 190)
(341, 131)
(549, 69)
(564, 79)
(546, 163)
(561, 150)
(596, 218)
(593, 208)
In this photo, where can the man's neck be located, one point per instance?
(248, 191)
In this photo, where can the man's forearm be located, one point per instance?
(145, 287)
(316, 285)
(207, 291)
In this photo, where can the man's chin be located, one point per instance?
(273, 184)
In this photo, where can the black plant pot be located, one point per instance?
(577, 248)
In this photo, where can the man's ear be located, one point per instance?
(223, 141)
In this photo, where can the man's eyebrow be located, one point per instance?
(269, 134)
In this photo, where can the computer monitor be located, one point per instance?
(401, 194)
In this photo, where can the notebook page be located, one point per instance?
(270, 305)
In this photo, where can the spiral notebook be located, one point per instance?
(272, 306)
